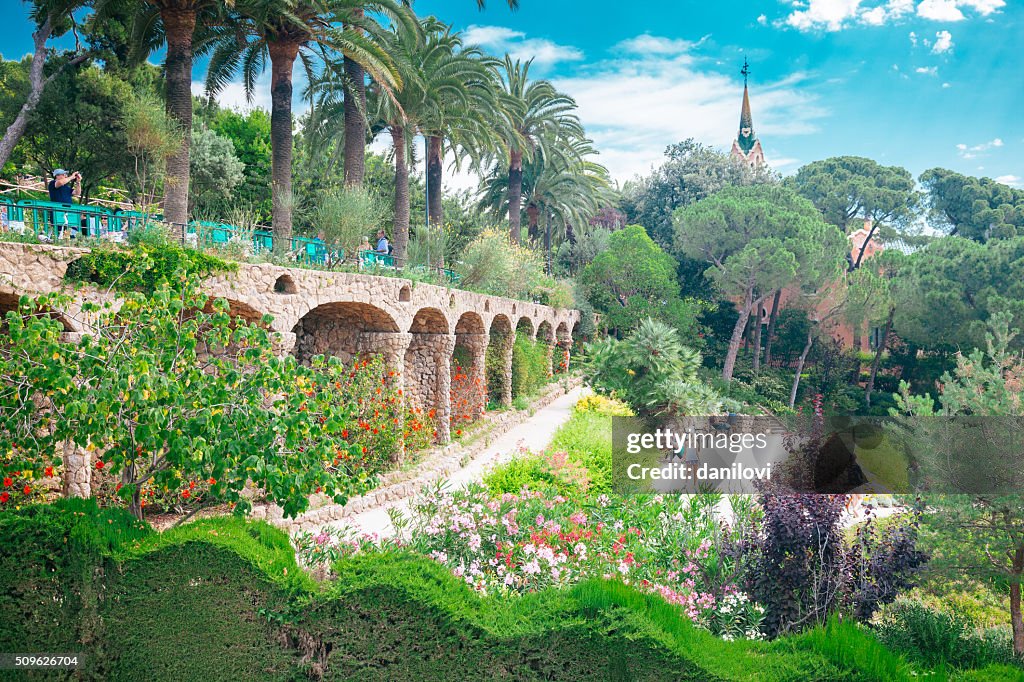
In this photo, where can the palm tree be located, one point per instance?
(539, 119)
(442, 84)
(286, 30)
(174, 23)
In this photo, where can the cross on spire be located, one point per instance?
(745, 71)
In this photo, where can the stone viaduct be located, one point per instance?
(415, 327)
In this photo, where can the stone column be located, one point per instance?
(549, 354)
(477, 346)
(392, 347)
(564, 349)
(504, 345)
(284, 343)
(76, 479)
(444, 346)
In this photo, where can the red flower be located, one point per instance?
(4, 497)
(99, 464)
(8, 481)
(49, 472)
(212, 481)
(27, 490)
(186, 494)
(191, 485)
(344, 433)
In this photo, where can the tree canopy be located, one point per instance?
(974, 208)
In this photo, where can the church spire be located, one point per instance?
(746, 146)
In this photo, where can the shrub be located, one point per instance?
(344, 216)
(529, 366)
(934, 638)
(143, 267)
(587, 438)
(552, 474)
(599, 404)
(652, 372)
(492, 264)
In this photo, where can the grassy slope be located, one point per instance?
(222, 599)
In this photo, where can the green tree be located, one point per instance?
(250, 135)
(537, 120)
(951, 289)
(983, 534)
(634, 280)
(757, 239)
(167, 390)
(284, 32)
(178, 25)
(691, 172)
(79, 124)
(216, 171)
(845, 188)
(52, 19)
(974, 208)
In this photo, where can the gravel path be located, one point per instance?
(534, 434)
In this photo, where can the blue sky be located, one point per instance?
(917, 83)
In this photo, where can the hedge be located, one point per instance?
(222, 599)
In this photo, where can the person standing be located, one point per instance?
(64, 186)
(383, 247)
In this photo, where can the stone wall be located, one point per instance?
(414, 326)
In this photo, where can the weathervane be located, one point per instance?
(745, 71)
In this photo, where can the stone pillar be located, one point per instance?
(564, 345)
(444, 346)
(76, 479)
(392, 347)
(549, 354)
(284, 343)
(504, 345)
(477, 346)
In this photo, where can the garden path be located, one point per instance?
(532, 435)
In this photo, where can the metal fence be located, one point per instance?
(51, 222)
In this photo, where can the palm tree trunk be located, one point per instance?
(533, 220)
(401, 225)
(772, 319)
(757, 337)
(800, 367)
(515, 195)
(282, 59)
(179, 25)
(737, 337)
(434, 185)
(878, 357)
(355, 121)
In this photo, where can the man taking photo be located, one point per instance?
(64, 187)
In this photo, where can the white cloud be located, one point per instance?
(913, 39)
(1014, 180)
(943, 42)
(233, 96)
(967, 152)
(946, 85)
(830, 15)
(634, 105)
(762, 19)
(647, 44)
(500, 39)
(927, 70)
(835, 15)
(940, 10)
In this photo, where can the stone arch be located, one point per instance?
(499, 360)
(546, 336)
(525, 326)
(9, 302)
(238, 310)
(429, 321)
(285, 285)
(340, 329)
(470, 323)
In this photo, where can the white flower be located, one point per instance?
(531, 568)
(580, 549)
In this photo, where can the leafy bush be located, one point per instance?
(634, 280)
(599, 404)
(143, 267)
(493, 265)
(344, 216)
(934, 638)
(803, 570)
(552, 474)
(652, 372)
(529, 366)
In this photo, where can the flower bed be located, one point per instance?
(518, 544)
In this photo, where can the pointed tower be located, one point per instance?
(746, 146)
